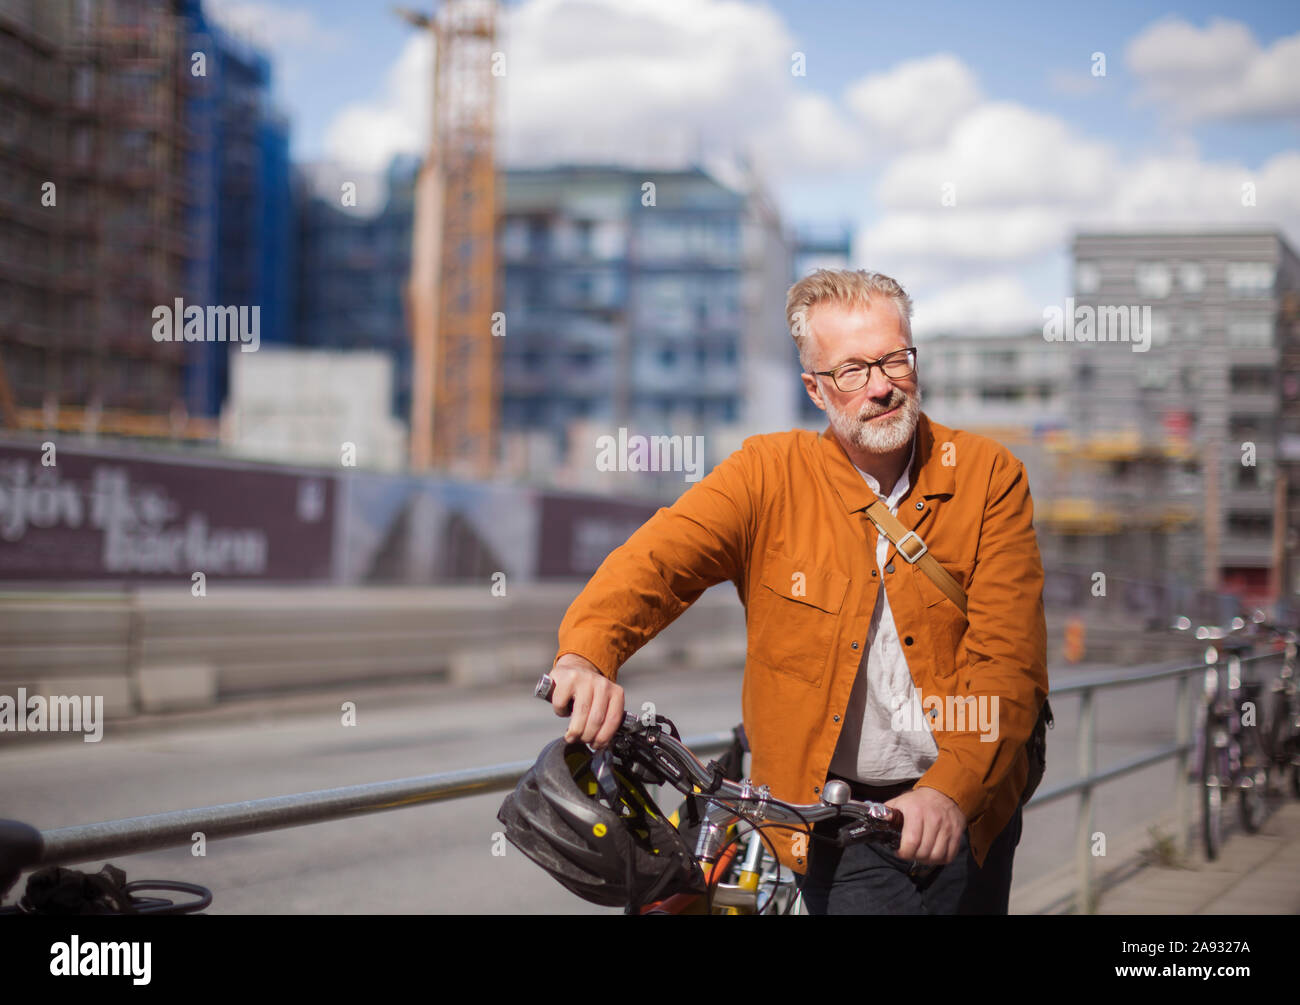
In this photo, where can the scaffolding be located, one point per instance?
(453, 262)
(103, 105)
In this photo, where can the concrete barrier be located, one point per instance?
(161, 649)
(164, 649)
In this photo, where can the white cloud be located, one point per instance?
(272, 26)
(1216, 72)
(1024, 183)
(997, 302)
(1002, 154)
(615, 81)
(368, 134)
(634, 83)
(645, 83)
(291, 36)
(916, 102)
(1074, 84)
(973, 235)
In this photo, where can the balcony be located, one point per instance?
(1241, 549)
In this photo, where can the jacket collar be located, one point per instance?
(929, 475)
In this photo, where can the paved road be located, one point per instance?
(438, 858)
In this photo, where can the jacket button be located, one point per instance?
(836, 718)
(855, 645)
(873, 572)
(920, 505)
(889, 567)
(816, 789)
(908, 640)
(799, 861)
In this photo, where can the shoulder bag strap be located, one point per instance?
(913, 549)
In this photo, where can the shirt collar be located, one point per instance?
(927, 473)
(901, 484)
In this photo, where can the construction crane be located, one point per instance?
(450, 295)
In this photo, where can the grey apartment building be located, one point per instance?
(646, 299)
(1008, 386)
(1184, 435)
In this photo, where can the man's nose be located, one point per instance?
(879, 386)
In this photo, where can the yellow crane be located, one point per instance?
(450, 292)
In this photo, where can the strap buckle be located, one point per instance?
(903, 540)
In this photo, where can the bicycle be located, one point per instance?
(736, 814)
(1282, 733)
(1230, 753)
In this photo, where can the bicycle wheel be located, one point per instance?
(1253, 784)
(1213, 770)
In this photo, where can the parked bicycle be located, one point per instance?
(1282, 725)
(572, 800)
(1230, 752)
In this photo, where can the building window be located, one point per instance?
(1250, 524)
(1191, 277)
(998, 362)
(1159, 328)
(1087, 277)
(1253, 380)
(1250, 333)
(1153, 280)
(1153, 375)
(1249, 278)
(81, 146)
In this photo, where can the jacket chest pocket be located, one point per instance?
(793, 616)
(945, 620)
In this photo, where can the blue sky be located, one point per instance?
(1197, 99)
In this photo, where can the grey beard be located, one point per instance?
(878, 437)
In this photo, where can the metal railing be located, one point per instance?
(1089, 778)
(132, 835)
(67, 845)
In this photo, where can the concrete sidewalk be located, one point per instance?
(1254, 873)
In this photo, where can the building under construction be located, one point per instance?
(139, 167)
(95, 215)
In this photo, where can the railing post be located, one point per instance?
(1083, 834)
(1182, 733)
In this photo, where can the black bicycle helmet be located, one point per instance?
(616, 852)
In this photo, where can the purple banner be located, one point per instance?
(74, 516)
(577, 533)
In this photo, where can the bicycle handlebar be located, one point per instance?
(667, 754)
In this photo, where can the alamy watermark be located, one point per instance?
(963, 713)
(75, 958)
(1086, 323)
(60, 713)
(179, 323)
(651, 453)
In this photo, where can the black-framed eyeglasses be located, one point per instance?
(853, 376)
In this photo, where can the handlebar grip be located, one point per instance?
(546, 689)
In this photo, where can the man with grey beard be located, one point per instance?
(850, 643)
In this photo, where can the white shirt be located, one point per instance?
(870, 750)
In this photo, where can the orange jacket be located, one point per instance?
(783, 518)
